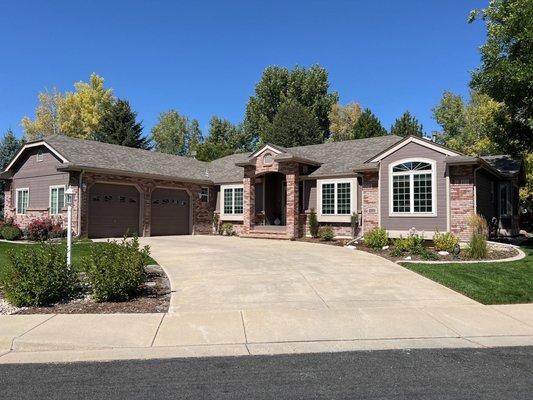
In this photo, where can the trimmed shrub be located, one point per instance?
(37, 276)
(9, 232)
(38, 229)
(326, 233)
(376, 238)
(313, 224)
(115, 270)
(412, 245)
(445, 241)
(227, 229)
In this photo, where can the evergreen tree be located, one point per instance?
(407, 125)
(294, 125)
(195, 137)
(368, 125)
(119, 126)
(9, 145)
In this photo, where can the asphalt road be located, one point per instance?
(505, 373)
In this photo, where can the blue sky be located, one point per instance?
(204, 58)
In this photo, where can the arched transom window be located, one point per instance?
(412, 187)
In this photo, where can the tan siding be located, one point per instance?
(427, 224)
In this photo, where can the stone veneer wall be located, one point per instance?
(22, 220)
(370, 201)
(340, 229)
(202, 213)
(462, 201)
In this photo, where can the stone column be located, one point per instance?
(146, 193)
(249, 199)
(370, 203)
(292, 177)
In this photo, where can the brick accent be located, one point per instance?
(249, 199)
(292, 202)
(340, 229)
(202, 213)
(31, 214)
(461, 200)
(370, 201)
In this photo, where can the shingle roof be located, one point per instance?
(91, 154)
(504, 164)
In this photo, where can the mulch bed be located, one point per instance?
(153, 297)
(336, 242)
(495, 253)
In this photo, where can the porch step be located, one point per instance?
(267, 234)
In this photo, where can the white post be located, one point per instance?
(68, 199)
(69, 235)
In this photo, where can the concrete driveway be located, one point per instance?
(211, 273)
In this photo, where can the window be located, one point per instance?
(23, 197)
(57, 199)
(204, 195)
(505, 200)
(233, 200)
(39, 156)
(412, 187)
(336, 198)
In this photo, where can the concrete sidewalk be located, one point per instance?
(66, 338)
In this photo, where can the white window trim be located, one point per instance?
(433, 173)
(50, 198)
(230, 217)
(17, 201)
(353, 200)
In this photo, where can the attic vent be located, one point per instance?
(268, 159)
(39, 156)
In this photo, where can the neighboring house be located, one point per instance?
(389, 181)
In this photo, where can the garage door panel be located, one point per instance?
(113, 210)
(170, 212)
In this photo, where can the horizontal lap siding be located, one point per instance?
(427, 224)
(38, 177)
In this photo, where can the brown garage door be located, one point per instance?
(170, 212)
(113, 210)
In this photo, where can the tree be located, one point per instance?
(195, 137)
(342, 121)
(171, 133)
(309, 87)
(81, 112)
(46, 120)
(526, 192)
(119, 125)
(76, 114)
(368, 125)
(407, 125)
(9, 145)
(469, 127)
(224, 138)
(293, 125)
(506, 71)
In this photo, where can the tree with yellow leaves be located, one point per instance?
(76, 114)
(342, 121)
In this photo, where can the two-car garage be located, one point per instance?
(116, 210)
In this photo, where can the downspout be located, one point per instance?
(80, 183)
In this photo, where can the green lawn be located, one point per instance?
(79, 249)
(487, 283)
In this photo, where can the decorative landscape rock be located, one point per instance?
(385, 248)
(443, 253)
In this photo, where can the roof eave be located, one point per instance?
(73, 167)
